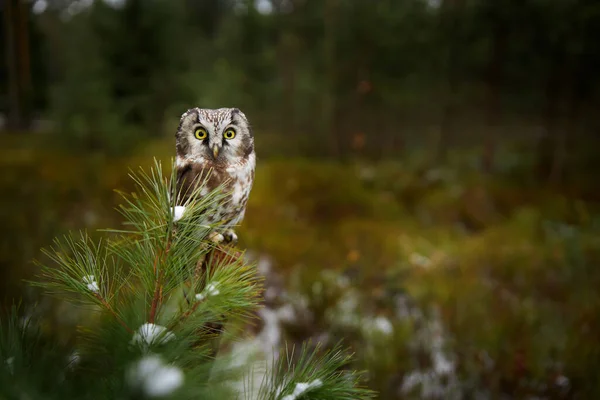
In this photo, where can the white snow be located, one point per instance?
(115, 3)
(149, 334)
(210, 290)
(373, 327)
(434, 3)
(302, 388)
(346, 312)
(91, 283)
(383, 325)
(10, 364)
(155, 377)
(178, 213)
(439, 380)
(264, 6)
(39, 6)
(74, 359)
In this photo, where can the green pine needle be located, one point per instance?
(136, 278)
(326, 372)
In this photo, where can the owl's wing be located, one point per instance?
(186, 181)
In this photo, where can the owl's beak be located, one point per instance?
(215, 150)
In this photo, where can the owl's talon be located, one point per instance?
(216, 237)
(230, 236)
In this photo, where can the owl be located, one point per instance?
(219, 141)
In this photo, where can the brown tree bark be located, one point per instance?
(449, 25)
(494, 84)
(551, 150)
(286, 54)
(18, 63)
(329, 94)
(14, 102)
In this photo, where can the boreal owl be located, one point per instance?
(219, 141)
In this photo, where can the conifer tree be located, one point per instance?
(163, 295)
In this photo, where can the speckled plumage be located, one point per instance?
(233, 166)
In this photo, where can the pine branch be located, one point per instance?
(29, 363)
(313, 376)
(156, 300)
(109, 308)
(136, 277)
(83, 269)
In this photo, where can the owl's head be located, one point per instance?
(221, 135)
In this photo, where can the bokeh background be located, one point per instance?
(427, 182)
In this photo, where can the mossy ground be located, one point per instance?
(509, 265)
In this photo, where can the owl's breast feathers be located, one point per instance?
(237, 180)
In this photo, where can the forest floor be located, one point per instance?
(446, 281)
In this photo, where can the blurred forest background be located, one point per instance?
(427, 183)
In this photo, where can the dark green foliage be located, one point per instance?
(394, 72)
(324, 369)
(28, 356)
(119, 74)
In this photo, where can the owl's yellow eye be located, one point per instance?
(200, 133)
(229, 134)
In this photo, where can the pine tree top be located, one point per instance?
(163, 296)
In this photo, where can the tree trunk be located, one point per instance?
(24, 55)
(449, 25)
(286, 54)
(18, 63)
(286, 61)
(549, 152)
(14, 102)
(494, 84)
(329, 95)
